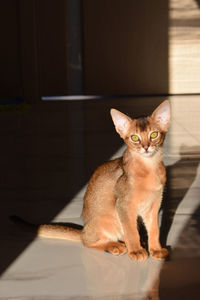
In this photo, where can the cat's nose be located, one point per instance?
(146, 147)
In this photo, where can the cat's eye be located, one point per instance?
(154, 135)
(135, 138)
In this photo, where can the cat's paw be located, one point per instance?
(117, 248)
(138, 255)
(159, 253)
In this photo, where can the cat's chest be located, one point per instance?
(148, 190)
(147, 178)
(151, 182)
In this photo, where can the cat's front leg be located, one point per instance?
(152, 226)
(128, 217)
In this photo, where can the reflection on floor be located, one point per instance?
(57, 147)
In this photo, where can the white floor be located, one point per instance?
(51, 269)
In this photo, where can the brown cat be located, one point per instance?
(123, 189)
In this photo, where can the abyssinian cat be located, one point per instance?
(124, 189)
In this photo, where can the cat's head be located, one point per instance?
(144, 135)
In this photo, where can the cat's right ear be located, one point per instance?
(121, 122)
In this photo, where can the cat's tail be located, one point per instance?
(70, 232)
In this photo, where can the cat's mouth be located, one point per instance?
(147, 153)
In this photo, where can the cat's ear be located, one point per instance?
(162, 115)
(121, 121)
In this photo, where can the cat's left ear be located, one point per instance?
(162, 115)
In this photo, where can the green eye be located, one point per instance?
(154, 134)
(135, 138)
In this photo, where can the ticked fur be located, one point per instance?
(123, 189)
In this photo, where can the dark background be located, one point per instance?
(119, 47)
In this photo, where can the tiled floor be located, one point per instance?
(57, 146)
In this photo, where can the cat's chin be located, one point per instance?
(148, 154)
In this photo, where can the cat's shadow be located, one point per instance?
(180, 177)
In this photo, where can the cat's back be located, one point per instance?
(106, 173)
(101, 185)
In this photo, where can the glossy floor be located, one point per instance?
(69, 140)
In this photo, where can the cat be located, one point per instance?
(123, 189)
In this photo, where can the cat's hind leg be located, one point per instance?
(104, 238)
